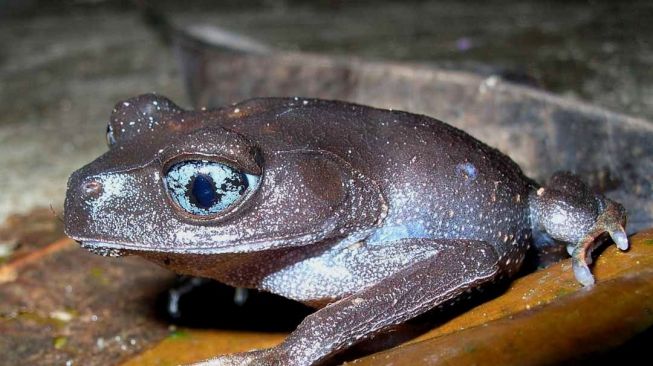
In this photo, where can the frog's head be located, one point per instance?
(176, 181)
(567, 210)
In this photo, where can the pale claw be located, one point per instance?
(582, 273)
(619, 237)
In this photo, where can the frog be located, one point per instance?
(370, 216)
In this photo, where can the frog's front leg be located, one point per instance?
(455, 266)
(569, 211)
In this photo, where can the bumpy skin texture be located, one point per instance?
(383, 214)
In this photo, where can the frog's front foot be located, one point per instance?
(612, 221)
(262, 357)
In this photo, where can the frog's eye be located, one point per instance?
(111, 139)
(206, 188)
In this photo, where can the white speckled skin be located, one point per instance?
(355, 205)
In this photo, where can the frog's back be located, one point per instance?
(438, 181)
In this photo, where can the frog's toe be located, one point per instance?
(581, 258)
(613, 220)
(583, 273)
(619, 237)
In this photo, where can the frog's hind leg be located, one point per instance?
(457, 265)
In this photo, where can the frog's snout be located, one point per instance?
(81, 192)
(71, 209)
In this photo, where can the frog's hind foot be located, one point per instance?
(611, 220)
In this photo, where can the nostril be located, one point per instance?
(92, 188)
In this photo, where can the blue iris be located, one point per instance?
(205, 188)
(204, 191)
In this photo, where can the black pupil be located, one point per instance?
(204, 191)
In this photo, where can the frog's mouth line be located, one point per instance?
(117, 249)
